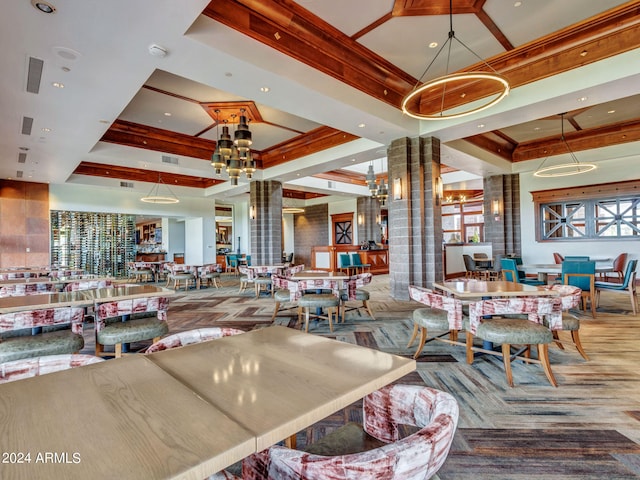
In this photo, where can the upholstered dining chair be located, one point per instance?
(188, 337)
(557, 258)
(581, 274)
(32, 367)
(375, 450)
(571, 297)
(617, 268)
(509, 331)
(344, 263)
(511, 273)
(355, 293)
(628, 284)
(442, 314)
(357, 264)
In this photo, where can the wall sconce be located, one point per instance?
(495, 210)
(252, 212)
(360, 219)
(438, 190)
(397, 188)
(379, 219)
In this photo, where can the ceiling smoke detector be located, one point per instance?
(157, 51)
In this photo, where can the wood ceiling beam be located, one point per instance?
(140, 175)
(600, 137)
(298, 33)
(313, 141)
(150, 138)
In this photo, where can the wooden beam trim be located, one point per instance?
(616, 134)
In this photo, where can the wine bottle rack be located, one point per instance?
(98, 243)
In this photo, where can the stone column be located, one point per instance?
(503, 229)
(265, 204)
(415, 224)
(367, 219)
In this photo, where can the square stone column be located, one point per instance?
(265, 204)
(415, 219)
(502, 230)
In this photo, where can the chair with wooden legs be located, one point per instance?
(515, 331)
(353, 293)
(582, 274)
(442, 314)
(628, 284)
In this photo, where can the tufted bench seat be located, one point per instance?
(62, 333)
(310, 301)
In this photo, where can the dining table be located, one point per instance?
(470, 289)
(122, 418)
(80, 298)
(184, 413)
(544, 269)
(276, 381)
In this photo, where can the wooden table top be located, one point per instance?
(123, 418)
(59, 280)
(304, 275)
(480, 288)
(277, 381)
(82, 298)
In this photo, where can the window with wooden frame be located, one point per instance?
(593, 212)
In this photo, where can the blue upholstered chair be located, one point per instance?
(344, 262)
(581, 274)
(576, 258)
(510, 272)
(628, 283)
(357, 264)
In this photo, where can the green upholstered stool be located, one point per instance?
(262, 284)
(117, 332)
(281, 296)
(427, 318)
(515, 331)
(571, 324)
(48, 343)
(361, 295)
(318, 301)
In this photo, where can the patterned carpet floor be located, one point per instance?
(587, 428)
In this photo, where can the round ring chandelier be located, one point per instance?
(456, 77)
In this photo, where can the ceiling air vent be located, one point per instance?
(126, 184)
(168, 159)
(19, 174)
(34, 75)
(22, 157)
(27, 125)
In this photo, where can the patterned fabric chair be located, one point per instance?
(442, 314)
(179, 273)
(342, 455)
(86, 285)
(315, 300)
(353, 292)
(54, 339)
(32, 367)
(192, 336)
(570, 297)
(113, 325)
(286, 291)
(66, 273)
(21, 289)
(246, 277)
(516, 331)
(209, 275)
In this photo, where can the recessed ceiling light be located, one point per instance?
(46, 129)
(582, 99)
(167, 114)
(481, 125)
(361, 125)
(433, 44)
(58, 84)
(536, 129)
(264, 89)
(517, 4)
(44, 7)
(611, 111)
